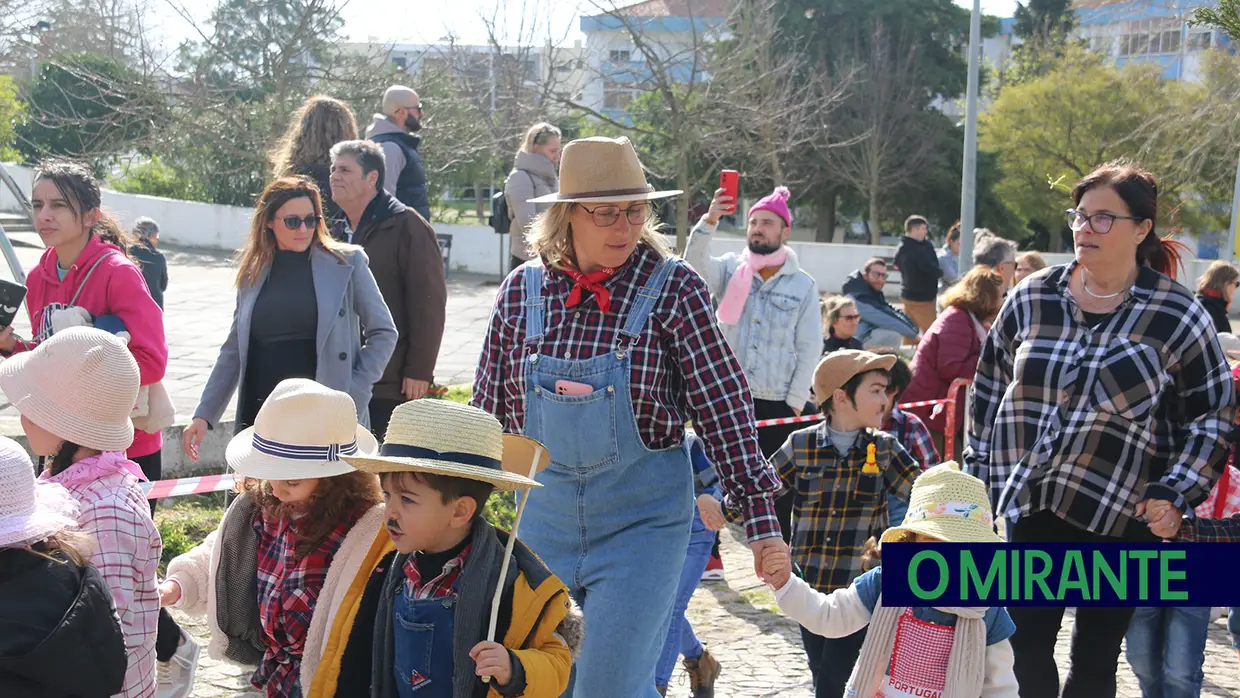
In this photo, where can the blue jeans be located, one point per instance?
(1233, 625)
(680, 637)
(1166, 650)
(896, 509)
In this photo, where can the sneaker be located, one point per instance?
(175, 677)
(714, 570)
(702, 674)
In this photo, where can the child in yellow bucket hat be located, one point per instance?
(946, 652)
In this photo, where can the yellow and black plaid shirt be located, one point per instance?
(840, 501)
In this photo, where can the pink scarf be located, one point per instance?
(733, 303)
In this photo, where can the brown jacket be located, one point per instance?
(406, 262)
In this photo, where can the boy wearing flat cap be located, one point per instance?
(841, 472)
(454, 608)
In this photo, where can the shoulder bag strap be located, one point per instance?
(90, 271)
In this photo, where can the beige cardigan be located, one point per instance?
(196, 570)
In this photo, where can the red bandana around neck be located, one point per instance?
(592, 282)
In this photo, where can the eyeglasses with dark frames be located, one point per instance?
(606, 216)
(293, 222)
(1098, 222)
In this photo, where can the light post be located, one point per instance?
(37, 31)
(968, 175)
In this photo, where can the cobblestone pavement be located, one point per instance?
(760, 650)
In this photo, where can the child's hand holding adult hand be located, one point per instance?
(711, 511)
(492, 660)
(776, 567)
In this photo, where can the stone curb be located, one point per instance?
(175, 463)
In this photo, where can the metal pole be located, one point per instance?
(968, 175)
(1234, 231)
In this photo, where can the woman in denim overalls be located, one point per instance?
(602, 349)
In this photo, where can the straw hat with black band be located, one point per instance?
(448, 438)
(602, 171)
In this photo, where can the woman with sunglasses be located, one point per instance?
(307, 307)
(1102, 398)
(602, 349)
(840, 317)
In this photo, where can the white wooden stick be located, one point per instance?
(512, 540)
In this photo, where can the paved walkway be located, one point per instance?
(198, 308)
(761, 650)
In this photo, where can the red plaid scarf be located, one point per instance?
(592, 282)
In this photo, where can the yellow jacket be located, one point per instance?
(538, 622)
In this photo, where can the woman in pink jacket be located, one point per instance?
(951, 347)
(85, 265)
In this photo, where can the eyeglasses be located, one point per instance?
(878, 274)
(293, 222)
(1099, 222)
(853, 316)
(606, 216)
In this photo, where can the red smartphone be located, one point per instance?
(572, 388)
(730, 180)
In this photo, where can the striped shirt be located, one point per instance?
(837, 504)
(682, 369)
(115, 513)
(1086, 421)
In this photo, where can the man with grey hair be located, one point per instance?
(407, 266)
(150, 260)
(393, 130)
(990, 250)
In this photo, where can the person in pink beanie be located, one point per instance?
(768, 311)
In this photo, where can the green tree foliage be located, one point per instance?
(1225, 16)
(11, 113)
(1052, 131)
(88, 106)
(154, 178)
(1044, 27)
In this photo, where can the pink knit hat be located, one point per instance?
(776, 203)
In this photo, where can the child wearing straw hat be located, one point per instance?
(75, 392)
(301, 528)
(56, 610)
(942, 652)
(457, 603)
(842, 471)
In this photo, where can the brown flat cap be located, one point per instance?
(838, 367)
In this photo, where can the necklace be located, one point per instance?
(1099, 296)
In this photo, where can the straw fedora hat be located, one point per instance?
(81, 385)
(948, 505)
(447, 438)
(30, 511)
(302, 431)
(602, 170)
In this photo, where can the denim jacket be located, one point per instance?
(778, 340)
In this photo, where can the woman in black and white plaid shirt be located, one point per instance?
(1101, 388)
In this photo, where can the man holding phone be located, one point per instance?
(768, 311)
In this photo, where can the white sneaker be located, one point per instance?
(175, 677)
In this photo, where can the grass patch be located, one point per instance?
(761, 598)
(460, 393)
(186, 523)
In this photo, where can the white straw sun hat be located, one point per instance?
(447, 438)
(949, 505)
(30, 511)
(302, 431)
(81, 385)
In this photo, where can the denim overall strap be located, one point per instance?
(647, 296)
(534, 305)
(422, 631)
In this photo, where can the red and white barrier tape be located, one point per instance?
(180, 487)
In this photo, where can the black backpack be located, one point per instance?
(501, 219)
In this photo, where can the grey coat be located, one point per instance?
(532, 176)
(355, 336)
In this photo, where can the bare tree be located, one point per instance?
(882, 118)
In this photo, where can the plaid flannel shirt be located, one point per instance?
(1199, 530)
(288, 589)
(837, 506)
(914, 436)
(439, 587)
(682, 369)
(1088, 421)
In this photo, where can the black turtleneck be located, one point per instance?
(430, 565)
